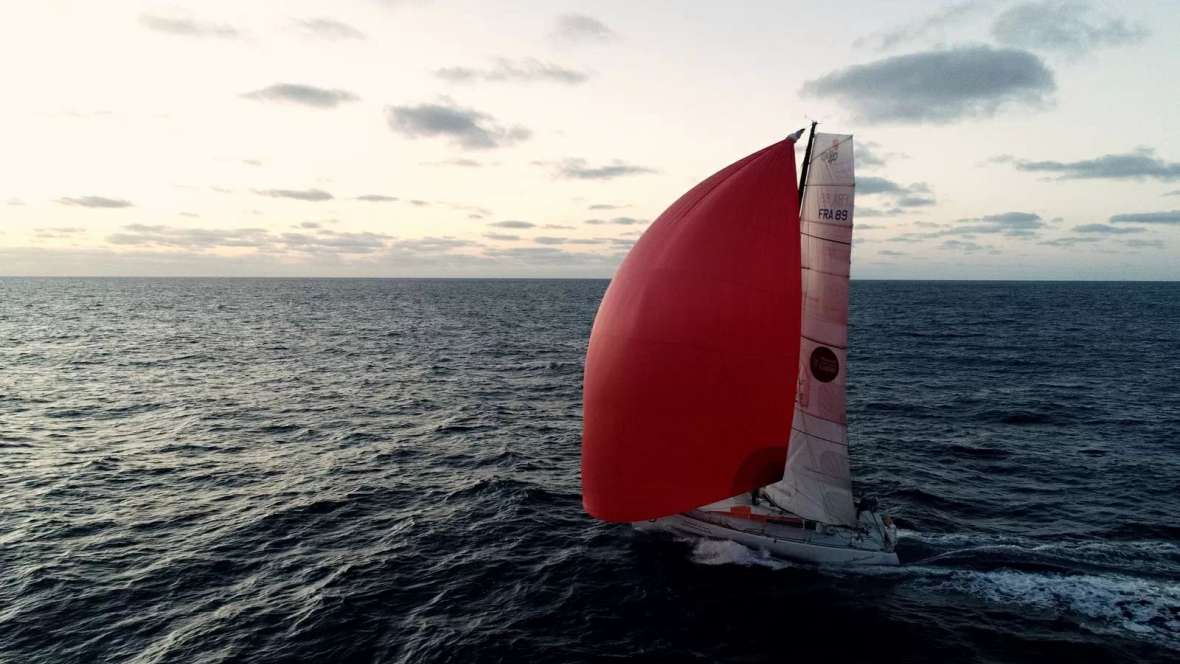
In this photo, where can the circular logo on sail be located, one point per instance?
(833, 153)
(825, 366)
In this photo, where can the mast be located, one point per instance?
(806, 162)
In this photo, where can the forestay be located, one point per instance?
(816, 483)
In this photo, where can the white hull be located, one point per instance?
(820, 545)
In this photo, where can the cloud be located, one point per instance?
(173, 251)
(910, 196)
(501, 236)
(1011, 224)
(464, 163)
(1175, 192)
(468, 128)
(578, 169)
(17, 202)
(965, 246)
(512, 223)
(933, 23)
(305, 95)
(310, 224)
(546, 239)
(890, 252)
(191, 238)
(1062, 25)
(870, 155)
(326, 28)
(57, 232)
(606, 206)
(95, 202)
(326, 241)
(869, 185)
(321, 243)
(1140, 164)
(1169, 217)
(528, 70)
(433, 244)
(938, 86)
(1144, 244)
(476, 212)
(313, 195)
(1069, 241)
(877, 212)
(620, 221)
(187, 27)
(874, 185)
(580, 28)
(1107, 230)
(1007, 223)
(915, 201)
(377, 198)
(546, 256)
(559, 227)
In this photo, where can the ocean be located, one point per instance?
(240, 470)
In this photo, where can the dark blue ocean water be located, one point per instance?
(387, 470)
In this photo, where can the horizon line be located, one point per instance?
(537, 278)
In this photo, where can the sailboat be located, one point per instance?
(714, 394)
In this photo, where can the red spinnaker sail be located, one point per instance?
(691, 370)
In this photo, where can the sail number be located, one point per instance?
(837, 215)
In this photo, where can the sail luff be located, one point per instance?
(816, 482)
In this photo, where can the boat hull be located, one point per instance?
(796, 544)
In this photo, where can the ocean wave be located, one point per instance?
(1108, 604)
(387, 470)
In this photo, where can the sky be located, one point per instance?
(446, 138)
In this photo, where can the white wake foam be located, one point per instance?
(1103, 604)
(1114, 603)
(728, 552)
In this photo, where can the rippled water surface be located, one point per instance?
(387, 470)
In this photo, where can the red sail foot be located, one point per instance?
(691, 370)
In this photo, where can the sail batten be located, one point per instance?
(817, 482)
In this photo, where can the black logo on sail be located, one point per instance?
(825, 366)
(833, 153)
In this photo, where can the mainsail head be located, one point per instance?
(816, 482)
(692, 364)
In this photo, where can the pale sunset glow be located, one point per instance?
(995, 140)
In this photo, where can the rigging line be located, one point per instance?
(823, 272)
(823, 343)
(824, 238)
(826, 440)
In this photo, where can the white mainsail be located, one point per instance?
(816, 484)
